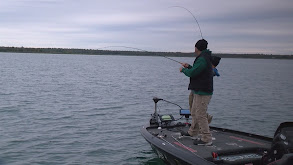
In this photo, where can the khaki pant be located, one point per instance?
(198, 109)
(210, 117)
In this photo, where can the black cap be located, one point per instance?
(201, 44)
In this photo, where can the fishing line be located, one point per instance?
(192, 16)
(123, 47)
(139, 50)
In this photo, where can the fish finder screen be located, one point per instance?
(184, 112)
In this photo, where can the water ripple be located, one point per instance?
(75, 109)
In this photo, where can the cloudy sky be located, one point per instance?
(230, 26)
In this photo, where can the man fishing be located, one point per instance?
(201, 86)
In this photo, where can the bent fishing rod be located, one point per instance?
(192, 16)
(162, 55)
(139, 50)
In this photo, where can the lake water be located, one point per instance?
(82, 109)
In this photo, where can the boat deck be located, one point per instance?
(229, 147)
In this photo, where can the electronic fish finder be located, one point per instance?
(184, 112)
(166, 118)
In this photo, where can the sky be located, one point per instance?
(229, 26)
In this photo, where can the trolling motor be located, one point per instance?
(154, 119)
(162, 120)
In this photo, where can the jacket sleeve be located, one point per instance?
(196, 69)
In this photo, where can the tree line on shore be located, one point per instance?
(132, 53)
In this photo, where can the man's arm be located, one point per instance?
(196, 69)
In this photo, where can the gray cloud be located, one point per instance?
(230, 26)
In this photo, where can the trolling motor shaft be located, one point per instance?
(154, 120)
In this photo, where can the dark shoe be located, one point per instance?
(202, 143)
(184, 133)
(188, 135)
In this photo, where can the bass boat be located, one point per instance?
(230, 147)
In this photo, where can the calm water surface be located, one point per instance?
(79, 109)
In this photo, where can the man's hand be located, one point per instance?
(185, 65)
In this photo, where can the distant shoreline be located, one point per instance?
(133, 53)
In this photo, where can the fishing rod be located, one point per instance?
(173, 60)
(192, 16)
(139, 50)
